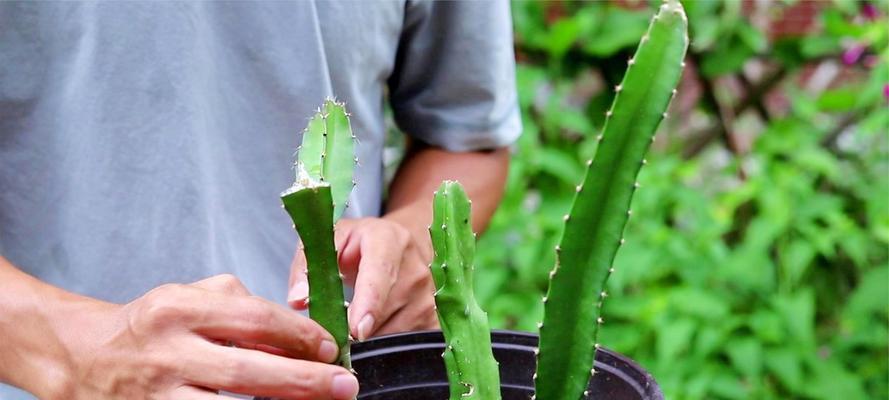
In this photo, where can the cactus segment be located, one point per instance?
(311, 208)
(315, 201)
(469, 359)
(327, 152)
(594, 228)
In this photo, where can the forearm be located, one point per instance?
(33, 318)
(482, 174)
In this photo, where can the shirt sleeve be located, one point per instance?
(453, 84)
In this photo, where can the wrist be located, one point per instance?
(42, 329)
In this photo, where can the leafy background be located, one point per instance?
(756, 263)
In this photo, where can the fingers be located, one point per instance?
(298, 296)
(416, 284)
(225, 283)
(193, 393)
(261, 374)
(378, 269)
(254, 320)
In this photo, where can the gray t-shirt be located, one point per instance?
(145, 143)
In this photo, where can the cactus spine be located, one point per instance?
(594, 227)
(316, 200)
(471, 367)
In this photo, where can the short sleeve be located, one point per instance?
(453, 84)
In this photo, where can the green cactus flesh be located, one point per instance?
(311, 209)
(594, 227)
(314, 202)
(327, 152)
(471, 367)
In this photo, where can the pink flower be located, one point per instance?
(869, 11)
(852, 54)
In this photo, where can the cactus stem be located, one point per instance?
(640, 100)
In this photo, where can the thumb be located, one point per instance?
(298, 295)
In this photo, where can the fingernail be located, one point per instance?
(298, 292)
(365, 327)
(328, 351)
(344, 387)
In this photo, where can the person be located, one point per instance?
(143, 147)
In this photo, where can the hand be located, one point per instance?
(389, 268)
(170, 343)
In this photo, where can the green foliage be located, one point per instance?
(594, 226)
(314, 202)
(773, 286)
(469, 358)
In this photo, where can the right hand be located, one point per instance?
(170, 344)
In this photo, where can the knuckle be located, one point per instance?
(309, 384)
(160, 307)
(232, 373)
(401, 234)
(229, 281)
(258, 316)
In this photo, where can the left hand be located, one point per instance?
(388, 265)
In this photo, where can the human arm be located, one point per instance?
(166, 344)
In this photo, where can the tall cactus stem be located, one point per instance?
(594, 227)
(471, 368)
(316, 200)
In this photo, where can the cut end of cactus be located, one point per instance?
(303, 181)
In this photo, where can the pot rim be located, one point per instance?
(608, 360)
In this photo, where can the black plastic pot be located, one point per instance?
(408, 366)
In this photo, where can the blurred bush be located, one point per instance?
(756, 263)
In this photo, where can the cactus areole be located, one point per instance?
(316, 200)
(594, 227)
